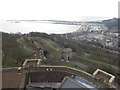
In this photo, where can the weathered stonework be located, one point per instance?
(66, 54)
(111, 77)
(32, 63)
(22, 77)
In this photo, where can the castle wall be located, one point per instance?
(11, 79)
(55, 73)
(43, 74)
(48, 76)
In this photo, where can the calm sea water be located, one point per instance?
(47, 27)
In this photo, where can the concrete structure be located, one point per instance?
(77, 82)
(32, 63)
(66, 54)
(106, 77)
(48, 77)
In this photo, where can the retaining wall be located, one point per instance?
(47, 74)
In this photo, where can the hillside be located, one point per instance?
(112, 24)
(17, 48)
(90, 54)
(104, 33)
(86, 56)
(13, 54)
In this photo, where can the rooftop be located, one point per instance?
(50, 77)
(77, 82)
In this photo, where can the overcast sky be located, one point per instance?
(78, 10)
(57, 9)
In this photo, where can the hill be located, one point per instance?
(90, 54)
(18, 47)
(112, 24)
(105, 33)
(12, 52)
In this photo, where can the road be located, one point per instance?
(79, 64)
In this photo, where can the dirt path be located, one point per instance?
(79, 64)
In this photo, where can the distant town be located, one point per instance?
(84, 58)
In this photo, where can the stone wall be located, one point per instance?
(11, 79)
(44, 74)
(55, 73)
(48, 76)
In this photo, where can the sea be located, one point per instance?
(11, 26)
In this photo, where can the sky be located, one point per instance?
(70, 10)
(58, 9)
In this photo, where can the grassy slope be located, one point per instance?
(90, 61)
(97, 64)
(45, 44)
(38, 43)
(26, 46)
(16, 50)
(93, 64)
(99, 58)
(13, 54)
(52, 46)
(72, 65)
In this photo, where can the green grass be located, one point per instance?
(52, 44)
(95, 62)
(72, 65)
(39, 43)
(45, 44)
